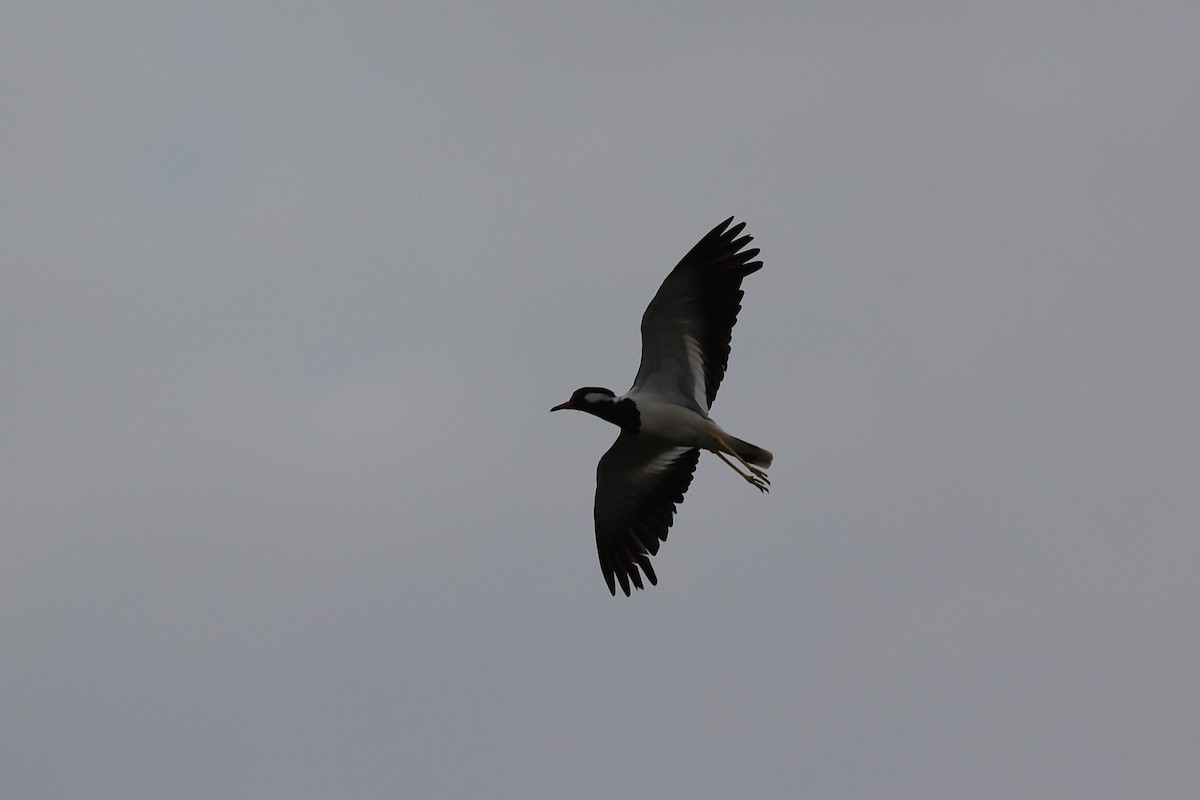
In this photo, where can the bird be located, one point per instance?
(664, 417)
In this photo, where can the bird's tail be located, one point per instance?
(753, 454)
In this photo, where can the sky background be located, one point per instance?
(287, 293)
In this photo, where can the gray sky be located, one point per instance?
(288, 291)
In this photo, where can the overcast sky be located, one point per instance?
(287, 293)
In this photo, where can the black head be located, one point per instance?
(604, 404)
(587, 397)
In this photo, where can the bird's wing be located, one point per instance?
(688, 325)
(638, 484)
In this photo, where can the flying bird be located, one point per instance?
(664, 418)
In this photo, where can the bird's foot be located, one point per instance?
(756, 477)
(758, 481)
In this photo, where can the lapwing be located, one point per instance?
(664, 417)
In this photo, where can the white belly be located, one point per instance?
(675, 424)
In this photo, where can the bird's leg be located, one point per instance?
(725, 446)
(759, 482)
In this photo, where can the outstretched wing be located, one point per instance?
(638, 485)
(688, 325)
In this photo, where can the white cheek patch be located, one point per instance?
(596, 397)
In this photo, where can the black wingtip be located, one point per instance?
(723, 230)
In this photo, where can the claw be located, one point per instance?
(758, 483)
(756, 478)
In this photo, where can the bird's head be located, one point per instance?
(604, 404)
(589, 398)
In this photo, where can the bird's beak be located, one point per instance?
(561, 406)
